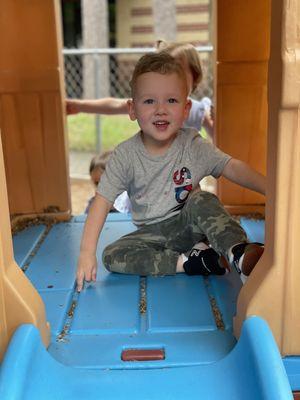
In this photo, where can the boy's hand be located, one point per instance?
(87, 261)
(86, 269)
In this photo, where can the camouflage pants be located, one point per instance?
(154, 249)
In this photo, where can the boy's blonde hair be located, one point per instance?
(184, 52)
(162, 63)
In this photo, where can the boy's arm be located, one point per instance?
(87, 262)
(241, 173)
(107, 105)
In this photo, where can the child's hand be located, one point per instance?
(71, 107)
(86, 269)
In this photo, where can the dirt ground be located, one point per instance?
(81, 191)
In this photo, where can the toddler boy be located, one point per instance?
(160, 168)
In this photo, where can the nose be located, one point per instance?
(160, 109)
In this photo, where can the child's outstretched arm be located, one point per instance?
(241, 173)
(107, 105)
(87, 262)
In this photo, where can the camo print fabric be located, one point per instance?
(154, 249)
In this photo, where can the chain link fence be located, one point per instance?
(120, 64)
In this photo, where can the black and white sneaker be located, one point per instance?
(244, 256)
(205, 262)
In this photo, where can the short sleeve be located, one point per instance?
(209, 158)
(116, 175)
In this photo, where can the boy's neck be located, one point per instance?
(156, 148)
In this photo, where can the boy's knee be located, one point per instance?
(113, 260)
(112, 266)
(202, 198)
(108, 257)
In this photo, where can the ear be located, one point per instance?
(187, 108)
(131, 112)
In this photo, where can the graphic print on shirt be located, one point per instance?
(183, 178)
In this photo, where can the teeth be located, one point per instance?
(160, 122)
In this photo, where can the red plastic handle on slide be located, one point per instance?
(143, 354)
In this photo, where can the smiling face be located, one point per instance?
(160, 106)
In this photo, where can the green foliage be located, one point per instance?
(114, 129)
(203, 133)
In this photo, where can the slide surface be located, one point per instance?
(252, 370)
(188, 319)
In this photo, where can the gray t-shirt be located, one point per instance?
(158, 186)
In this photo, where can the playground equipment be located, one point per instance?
(257, 88)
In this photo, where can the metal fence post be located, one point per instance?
(97, 95)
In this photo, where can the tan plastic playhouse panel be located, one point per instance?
(272, 291)
(241, 74)
(31, 107)
(19, 301)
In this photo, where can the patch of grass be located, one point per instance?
(114, 130)
(204, 134)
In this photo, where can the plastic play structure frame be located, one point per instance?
(257, 68)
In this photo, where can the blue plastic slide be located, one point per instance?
(252, 370)
(186, 321)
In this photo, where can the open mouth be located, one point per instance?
(161, 124)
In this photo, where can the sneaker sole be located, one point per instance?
(253, 252)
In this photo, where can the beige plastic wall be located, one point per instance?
(242, 54)
(35, 149)
(272, 291)
(34, 145)
(31, 107)
(19, 301)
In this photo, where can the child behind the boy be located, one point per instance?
(96, 169)
(160, 168)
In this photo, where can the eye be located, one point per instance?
(148, 101)
(172, 100)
